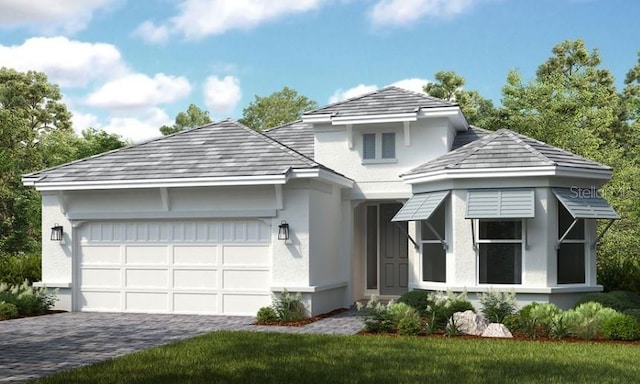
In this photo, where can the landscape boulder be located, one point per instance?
(497, 330)
(468, 323)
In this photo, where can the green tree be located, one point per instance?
(276, 109)
(61, 147)
(30, 109)
(478, 110)
(192, 118)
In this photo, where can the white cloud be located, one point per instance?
(49, 16)
(361, 89)
(412, 84)
(151, 33)
(139, 91)
(403, 12)
(68, 63)
(200, 18)
(140, 126)
(221, 96)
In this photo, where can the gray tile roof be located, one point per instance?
(506, 149)
(221, 149)
(389, 100)
(297, 136)
(466, 137)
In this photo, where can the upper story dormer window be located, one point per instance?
(379, 147)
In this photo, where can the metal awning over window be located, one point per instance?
(501, 204)
(420, 206)
(585, 203)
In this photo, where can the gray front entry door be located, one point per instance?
(394, 265)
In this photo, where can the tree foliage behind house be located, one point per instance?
(35, 132)
(193, 117)
(279, 108)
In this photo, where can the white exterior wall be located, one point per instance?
(428, 139)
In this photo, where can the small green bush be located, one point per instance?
(633, 313)
(377, 318)
(419, 300)
(627, 299)
(496, 305)
(14, 270)
(512, 322)
(28, 300)
(406, 319)
(289, 307)
(267, 315)
(585, 320)
(603, 298)
(621, 327)
(8, 311)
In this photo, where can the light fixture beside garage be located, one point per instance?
(283, 231)
(56, 232)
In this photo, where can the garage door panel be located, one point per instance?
(100, 301)
(146, 255)
(147, 301)
(195, 255)
(100, 278)
(100, 255)
(238, 303)
(245, 255)
(204, 303)
(147, 278)
(195, 279)
(245, 280)
(182, 266)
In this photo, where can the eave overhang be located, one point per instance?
(548, 171)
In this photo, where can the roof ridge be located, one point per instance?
(344, 101)
(528, 147)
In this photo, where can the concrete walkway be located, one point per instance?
(39, 346)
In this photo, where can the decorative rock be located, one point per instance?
(469, 323)
(497, 330)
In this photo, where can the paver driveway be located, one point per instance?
(39, 346)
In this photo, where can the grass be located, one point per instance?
(246, 357)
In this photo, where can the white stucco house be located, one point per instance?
(380, 194)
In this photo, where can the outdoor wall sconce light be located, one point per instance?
(56, 232)
(283, 231)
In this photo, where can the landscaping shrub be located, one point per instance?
(8, 311)
(445, 304)
(603, 298)
(585, 320)
(621, 327)
(267, 315)
(633, 313)
(421, 301)
(512, 322)
(27, 299)
(496, 305)
(14, 270)
(627, 299)
(406, 319)
(377, 318)
(289, 307)
(618, 271)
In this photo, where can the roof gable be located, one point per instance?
(221, 149)
(505, 149)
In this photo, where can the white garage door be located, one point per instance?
(204, 267)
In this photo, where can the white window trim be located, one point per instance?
(521, 241)
(378, 143)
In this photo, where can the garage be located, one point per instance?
(177, 266)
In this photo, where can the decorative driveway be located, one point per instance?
(39, 346)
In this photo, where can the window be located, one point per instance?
(571, 253)
(434, 266)
(379, 146)
(500, 251)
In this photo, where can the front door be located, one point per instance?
(394, 264)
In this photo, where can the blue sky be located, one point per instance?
(129, 67)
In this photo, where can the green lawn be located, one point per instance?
(246, 357)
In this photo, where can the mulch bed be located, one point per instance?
(303, 322)
(52, 312)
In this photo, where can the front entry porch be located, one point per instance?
(382, 254)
